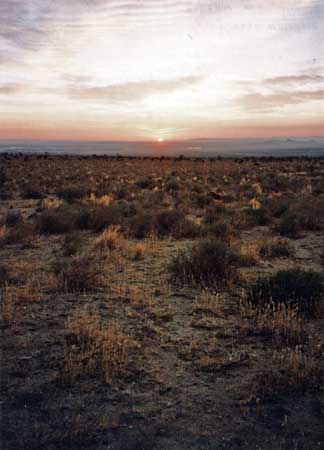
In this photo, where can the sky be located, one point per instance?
(161, 69)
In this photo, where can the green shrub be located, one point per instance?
(209, 262)
(79, 273)
(292, 287)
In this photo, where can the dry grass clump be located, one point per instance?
(208, 263)
(276, 246)
(50, 203)
(92, 348)
(109, 238)
(12, 295)
(281, 322)
(250, 254)
(103, 200)
(134, 251)
(291, 371)
(138, 297)
(210, 303)
(79, 273)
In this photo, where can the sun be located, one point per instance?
(160, 139)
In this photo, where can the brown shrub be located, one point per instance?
(79, 273)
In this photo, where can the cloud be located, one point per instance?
(132, 91)
(11, 88)
(294, 79)
(263, 102)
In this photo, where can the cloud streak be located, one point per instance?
(267, 102)
(130, 92)
(294, 79)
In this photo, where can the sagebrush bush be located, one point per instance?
(79, 273)
(209, 262)
(141, 225)
(13, 219)
(174, 223)
(23, 233)
(57, 220)
(72, 243)
(292, 287)
(289, 225)
(71, 193)
(221, 229)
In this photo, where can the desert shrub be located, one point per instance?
(256, 217)
(71, 193)
(301, 215)
(292, 287)
(71, 243)
(209, 262)
(172, 185)
(14, 218)
(141, 225)
(289, 225)
(174, 223)
(145, 183)
(57, 220)
(201, 200)
(4, 274)
(277, 207)
(222, 229)
(91, 348)
(79, 273)
(275, 247)
(32, 190)
(213, 214)
(99, 217)
(24, 233)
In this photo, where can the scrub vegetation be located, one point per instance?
(158, 303)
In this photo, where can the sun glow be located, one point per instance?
(160, 140)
